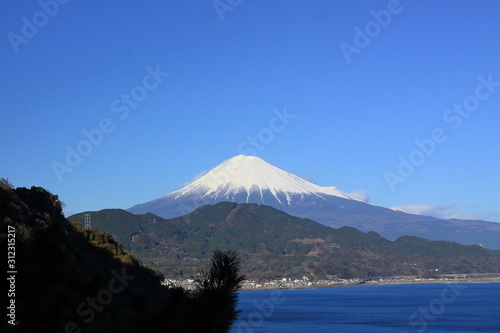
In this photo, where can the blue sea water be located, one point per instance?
(380, 308)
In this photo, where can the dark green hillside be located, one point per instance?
(274, 244)
(74, 280)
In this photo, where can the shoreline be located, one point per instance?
(377, 283)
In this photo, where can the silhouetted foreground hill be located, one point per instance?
(274, 244)
(65, 279)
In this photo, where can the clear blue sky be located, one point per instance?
(359, 80)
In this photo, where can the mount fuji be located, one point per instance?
(249, 179)
(242, 179)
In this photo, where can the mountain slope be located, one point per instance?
(74, 280)
(248, 179)
(274, 244)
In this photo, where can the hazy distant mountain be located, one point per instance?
(249, 179)
(274, 244)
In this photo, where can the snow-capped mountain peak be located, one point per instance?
(250, 175)
(249, 179)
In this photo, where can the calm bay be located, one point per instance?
(473, 307)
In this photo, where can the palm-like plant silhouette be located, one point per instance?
(217, 288)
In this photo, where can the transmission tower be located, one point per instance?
(88, 222)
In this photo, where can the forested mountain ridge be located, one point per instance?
(274, 244)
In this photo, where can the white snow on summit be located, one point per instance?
(250, 174)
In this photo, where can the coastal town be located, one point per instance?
(334, 282)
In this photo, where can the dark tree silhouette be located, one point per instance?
(217, 289)
(223, 276)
